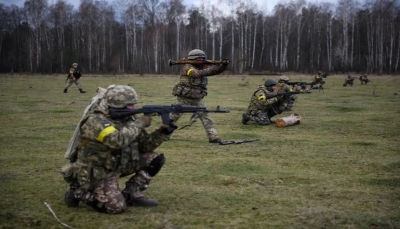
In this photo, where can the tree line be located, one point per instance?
(137, 36)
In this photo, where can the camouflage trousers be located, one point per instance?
(105, 197)
(140, 181)
(208, 122)
(72, 81)
(260, 117)
(263, 117)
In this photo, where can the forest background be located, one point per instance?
(139, 37)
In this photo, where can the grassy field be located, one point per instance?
(340, 168)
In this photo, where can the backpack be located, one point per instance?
(72, 149)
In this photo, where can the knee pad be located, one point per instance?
(155, 165)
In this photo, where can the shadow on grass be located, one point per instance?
(345, 109)
(61, 111)
(391, 182)
(364, 143)
(7, 178)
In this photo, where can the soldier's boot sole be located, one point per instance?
(70, 199)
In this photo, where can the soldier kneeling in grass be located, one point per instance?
(261, 108)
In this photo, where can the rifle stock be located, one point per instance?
(197, 62)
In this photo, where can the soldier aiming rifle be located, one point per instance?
(364, 79)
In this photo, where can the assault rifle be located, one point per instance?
(197, 62)
(162, 111)
(270, 96)
(238, 142)
(297, 83)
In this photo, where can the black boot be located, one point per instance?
(136, 198)
(245, 118)
(215, 140)
(82, 91)
(142, 202)
(65, 90)
(134, 188)
(70, 199)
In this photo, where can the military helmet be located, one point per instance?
(195, 53)
(119, 96)
(283, 78)
(319, 72)
(270, 82)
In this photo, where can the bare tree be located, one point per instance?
(177, 11)
(328, 18)
(36, 10)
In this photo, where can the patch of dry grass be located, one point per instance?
(338, 169)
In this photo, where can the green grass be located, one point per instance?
(338, 169)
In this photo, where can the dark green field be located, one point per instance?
(340, 168)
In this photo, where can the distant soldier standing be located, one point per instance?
(192, 88)
(261, 108)
(73, 77)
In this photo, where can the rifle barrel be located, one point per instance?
(195, 62)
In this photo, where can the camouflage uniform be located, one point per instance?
(301, 88)
(348, 81)
(110, 149)
(318, 82)
(191, 90)
(73, 77)
(261, 109)
(283, 87)
(364, 79)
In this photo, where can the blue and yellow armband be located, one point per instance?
(108, 129)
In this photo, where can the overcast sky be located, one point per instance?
(267, 5)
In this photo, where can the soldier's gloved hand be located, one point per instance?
(146, 120)
(280, 99)
(167, 129)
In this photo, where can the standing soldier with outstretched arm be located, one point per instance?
(73, 77)
(192, 88)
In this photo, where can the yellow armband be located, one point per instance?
(106, 131)
(189, 71)
(261, 97)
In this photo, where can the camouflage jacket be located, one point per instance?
(74, 72)
(111, 146)
(259, 101)
(193, 80)
(282, 87)
(317, 78)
